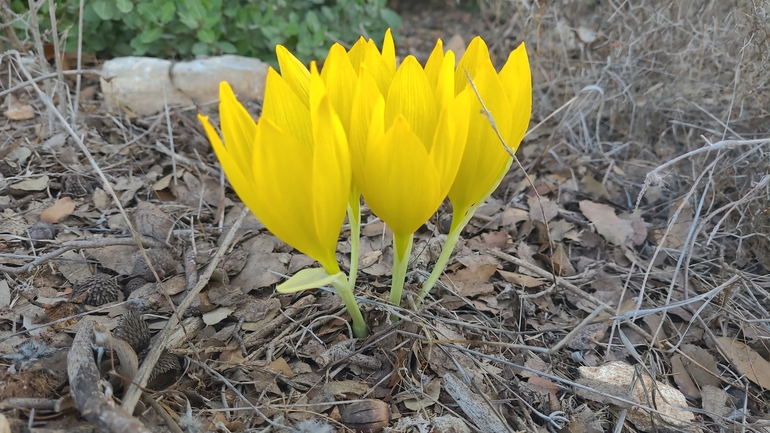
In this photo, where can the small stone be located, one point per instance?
(42, 231)
(366, 416)
(162, 260)
(133, 330)
(96, 290)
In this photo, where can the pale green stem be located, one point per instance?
(342, 287)
(402, 249)
(354, 217)
(446, 252)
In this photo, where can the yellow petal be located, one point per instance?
(294, 72)
(440, 72)
(365, 98)
(357, 53)
(331, 172)
(476, 55)
(285, 109)
(449, 141)
(340, 79)
(484, 156)
(517, 80)
(411, 96)
(238, 128)
(283, 176)
(379, 67)
(389, 52)
(229, 163)
(402, 186)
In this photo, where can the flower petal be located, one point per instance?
(238, 128)
(233, 170)
(340, 79)
(285, 109)
(450, 140)
(441, 74)
(389, 52)
(331, 171)
(412, 97)
(517, 80)
(477, 54)
(294, 72)
(366, 97)
(282, 186)
(402, 186)
(484, 156)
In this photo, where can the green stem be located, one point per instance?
(402, 249)
(354, 217)
(345, 291)
(446, 252)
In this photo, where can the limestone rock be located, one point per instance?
(138, 83)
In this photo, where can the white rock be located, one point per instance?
(138, 83)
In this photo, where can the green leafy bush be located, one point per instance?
(187, 28)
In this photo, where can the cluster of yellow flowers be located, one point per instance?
(402, 137)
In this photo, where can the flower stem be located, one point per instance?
(446, 252)
(354, 217)
(402, 249)
(345, 291)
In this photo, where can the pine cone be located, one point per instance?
(133, 330)
(166, 365)
(96, 290)
(162, 260)
(133, 284)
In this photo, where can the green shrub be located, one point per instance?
(187, 28)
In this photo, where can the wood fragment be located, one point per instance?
(477, 410)
(84, 386)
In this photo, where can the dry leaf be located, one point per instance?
(615, 230)
(215, 316)
(523, 280)
(550, 208)
(20, 112)
(747, 361)
(152, 221)
(561, 263)
(615, 379)
(61, 209)
(33, 184)
(682, 379)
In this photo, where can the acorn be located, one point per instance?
(134, 330)
(368, 416)
(162, 260)
(96, 290)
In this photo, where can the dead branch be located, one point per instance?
(92, 403)
(74, 245)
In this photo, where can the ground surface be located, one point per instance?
(631, 231)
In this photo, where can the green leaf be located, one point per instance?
(227, 48)
(149, 36)
(200, 49)
(308, 279)
(106, 9)
(166, 12)
(207, 35)
(391, 18)
(124, 6)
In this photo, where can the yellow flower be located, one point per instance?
(508, 97)
(292, 169)
(407, 144)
